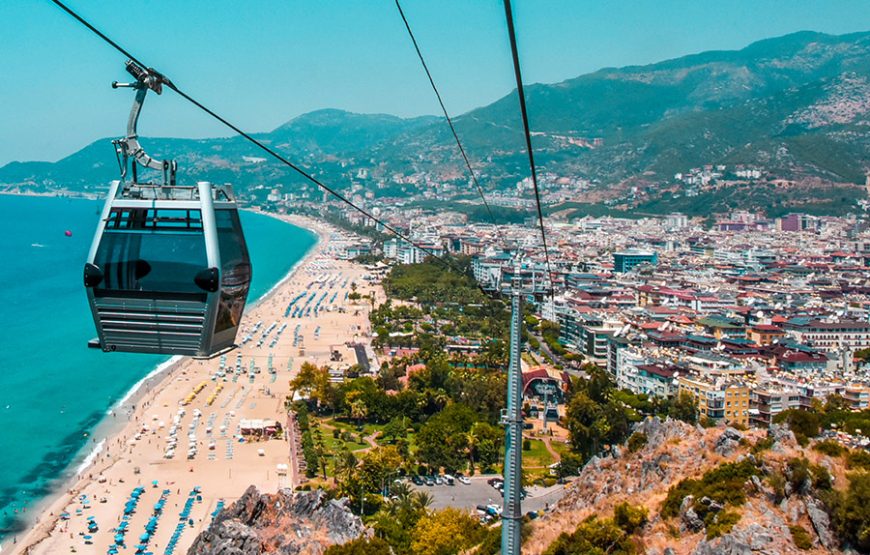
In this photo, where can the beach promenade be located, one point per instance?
(190, 445)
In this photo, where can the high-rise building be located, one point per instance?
(626, 261)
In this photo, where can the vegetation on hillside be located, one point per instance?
(603, 536)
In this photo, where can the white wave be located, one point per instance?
(92, 456)
(132, 391)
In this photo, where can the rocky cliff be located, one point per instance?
(284, 523)
(674, 451)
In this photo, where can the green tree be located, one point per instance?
(443, 439)
(358, 410)
(395, 429)
(804, 424)
(684, 408)
(308, 380)
(570, 465)
(446, 532)
(484, 445)
(581, 416)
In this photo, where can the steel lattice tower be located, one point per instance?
(512, 419)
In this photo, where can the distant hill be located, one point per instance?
(797, 106)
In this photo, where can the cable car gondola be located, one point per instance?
(168, 271)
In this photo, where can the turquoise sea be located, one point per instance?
(53, 389)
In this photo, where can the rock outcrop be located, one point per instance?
(284, 523)
(675, 451)
(728, 442)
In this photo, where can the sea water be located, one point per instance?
(53, 389)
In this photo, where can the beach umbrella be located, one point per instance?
(154, 483)
(88, 537)
(145, 537)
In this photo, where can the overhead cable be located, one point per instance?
(257, 143)
(446, 115)
(522, 98)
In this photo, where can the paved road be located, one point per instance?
(478, 492)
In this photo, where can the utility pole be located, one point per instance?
(512, 418)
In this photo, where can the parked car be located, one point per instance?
(439, 481)
(429, 481)
(464, 480)
(449, 480)
(417, 480)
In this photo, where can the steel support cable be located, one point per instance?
(522, 98)
(446, 115)
(257, 143)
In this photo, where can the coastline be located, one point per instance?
(96, 457)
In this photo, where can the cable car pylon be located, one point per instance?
(512, 419)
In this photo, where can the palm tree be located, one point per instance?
(345, 464)
(401, 490)
(422, 499)
(358, 411)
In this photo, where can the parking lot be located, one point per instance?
(478, 492)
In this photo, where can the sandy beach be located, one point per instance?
(178, 442)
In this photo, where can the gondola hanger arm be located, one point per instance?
(146, 79)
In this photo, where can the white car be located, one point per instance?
(464, 480)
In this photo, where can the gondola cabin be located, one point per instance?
(168, 271)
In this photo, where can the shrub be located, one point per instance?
(799, 474)
(829, 447)
(720, 523)
(804, 424)
(636, 441)
(777, 482)
(527, 445)
(724, 484)
(822, 479)
(707, 422)
(858, 459)
(360, 546)
(801, 537)
(762, 444)
(594, 536)
(630, 518)
(850, 511)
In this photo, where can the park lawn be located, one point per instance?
(561, 448)
(334, 445)
(537, 456)
(367, 429)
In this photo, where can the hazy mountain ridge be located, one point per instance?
(795, 105)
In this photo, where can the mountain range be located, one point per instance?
(797, 107)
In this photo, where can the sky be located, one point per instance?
(260, 63)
